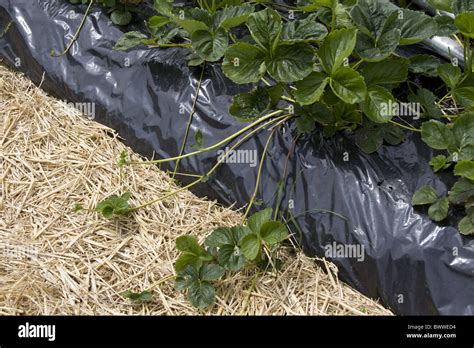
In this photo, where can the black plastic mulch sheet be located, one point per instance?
(414, 265)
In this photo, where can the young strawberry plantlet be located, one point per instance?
(225, 250)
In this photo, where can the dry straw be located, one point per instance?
(56, 262)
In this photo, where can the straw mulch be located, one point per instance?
(54, 261)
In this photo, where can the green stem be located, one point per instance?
(190, 120)
(288, 99)
(76, 35)
(247, 298)
(356, 65)
(222, 159)
(169, 45)
(259, 173)
(265, 82)
(406, 127)
(212, 147)
(285, 172)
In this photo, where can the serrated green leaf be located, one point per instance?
(248, 106)
(427, 100)
(189, 244)
(463, 130)
(244, 63)
(231, 258)
(303, 30)
(144, 296)
(451, 75)
(466, 226)
(424, 64)
(461, 191)
(201, 294)
(437, 135)
(265, 27)
(446, 26)
(164, 7)
(389, 71)
(308, 115)
(121, 17)
(415, 26)
(190, 25)
(114, 205)
(157, 22)
(376, 50)
(377, 104)
(219, 237)
(369, 138)
(273, 232)
(185, 260)
(464, 96)
(370, 16)
(348, 85)
(465, 22)
(459, 6)
(257, 220)
(311, 88)
(425, 195)
(438, 211)
(442, 5)
(313, 5)
(465, 169)
(210, 272)
(210, 46)
(438, 162)
(336, 47)
(129, 40)
(250, 246)
(233, 16)
(290, 62)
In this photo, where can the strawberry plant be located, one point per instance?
(226, 250)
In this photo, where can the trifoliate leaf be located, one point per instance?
(114, 205)
(129, 40)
